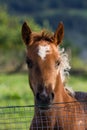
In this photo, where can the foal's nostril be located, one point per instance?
(37, 96)
(52, 94)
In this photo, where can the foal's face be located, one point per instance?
(43, 62)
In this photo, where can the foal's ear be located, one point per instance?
(26, 32)
(59, 34)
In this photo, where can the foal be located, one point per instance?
(55, 109)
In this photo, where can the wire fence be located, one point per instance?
(20, 117)
(16, 117)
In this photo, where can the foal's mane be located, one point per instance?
(65, 66)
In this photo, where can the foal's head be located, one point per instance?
(43, 60)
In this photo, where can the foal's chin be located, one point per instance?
(44, 106)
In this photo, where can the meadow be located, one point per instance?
(16, 96)
(15, 90)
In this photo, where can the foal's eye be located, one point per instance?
(29, 63)
(57, 63)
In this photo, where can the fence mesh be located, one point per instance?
(16, 117)
(20, 117)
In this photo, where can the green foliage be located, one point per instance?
(69, 45)
(78, 64)
(10, 29)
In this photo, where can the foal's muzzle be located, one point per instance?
(44, 100)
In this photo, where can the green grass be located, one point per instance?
(78, 83)
(15, 90)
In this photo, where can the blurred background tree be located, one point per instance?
(43, 14)
(11, 47)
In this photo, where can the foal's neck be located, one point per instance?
(61, 94)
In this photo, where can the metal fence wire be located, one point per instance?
(16, 117)
(20, 117)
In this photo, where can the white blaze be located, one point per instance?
(43, 51)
